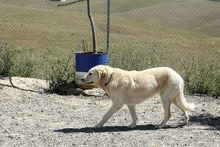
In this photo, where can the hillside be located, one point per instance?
(189, 25)
(200, 16)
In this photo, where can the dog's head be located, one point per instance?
(98, 75)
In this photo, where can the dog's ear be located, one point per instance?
(102, 74)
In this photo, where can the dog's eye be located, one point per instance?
(90, 73)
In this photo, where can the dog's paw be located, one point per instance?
(98, 126)
(160, 126)
(132, 126)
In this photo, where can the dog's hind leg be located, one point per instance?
(167, 113)
(133, 116)
(111, 111)
(167, 97)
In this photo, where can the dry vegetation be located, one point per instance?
(158, 32)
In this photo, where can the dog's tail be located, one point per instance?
(191, 107)
(184, 104)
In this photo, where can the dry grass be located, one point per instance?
(140, 31)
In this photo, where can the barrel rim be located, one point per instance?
(101, 53)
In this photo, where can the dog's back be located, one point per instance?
(133, 87)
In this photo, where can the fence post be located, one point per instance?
(92, 26)
(108, 25)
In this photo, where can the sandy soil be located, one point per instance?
(30, 117)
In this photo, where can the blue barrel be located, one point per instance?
(86, 61)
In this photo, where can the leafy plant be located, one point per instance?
(62, 73)
(136, 57)
(25, 68)
(6, 59)
(201, 76)
(11, 65)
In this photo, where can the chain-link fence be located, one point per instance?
(41, 36)
(177, 27)
(180, 24)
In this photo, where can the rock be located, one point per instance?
(69, 89)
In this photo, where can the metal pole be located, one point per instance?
(108, 25)
(92, 26)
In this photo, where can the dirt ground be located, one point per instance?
(31, 117)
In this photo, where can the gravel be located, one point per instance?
(30, 117)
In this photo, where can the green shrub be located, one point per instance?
(6, 59)
(201, 76)
(14, 63)
(62, 72)
(136, 57)
(23, 65)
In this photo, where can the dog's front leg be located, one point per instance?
(133, 116)
(111, 111)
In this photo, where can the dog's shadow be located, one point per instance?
(110, 129)
(206, 119)
(202, 119)
(105, 129)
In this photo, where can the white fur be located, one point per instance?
(133, 87)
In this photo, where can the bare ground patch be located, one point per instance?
(30, 117)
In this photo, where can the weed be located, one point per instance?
(136, 57)
(62, 73)
(201, 75)
(13, 63)
(6, 59)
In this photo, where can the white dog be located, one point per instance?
(133, 87)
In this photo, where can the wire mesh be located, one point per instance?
(177, 27)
